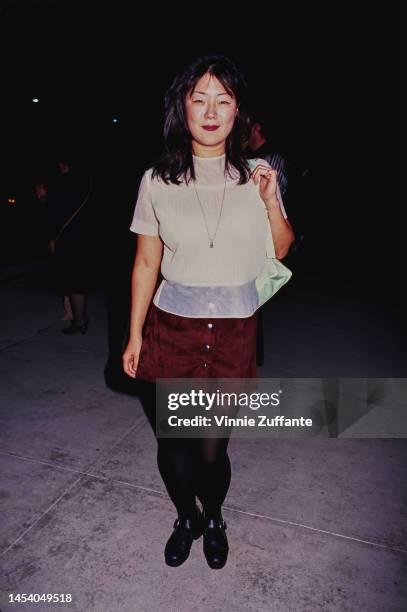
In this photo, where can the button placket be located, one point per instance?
(207, 344)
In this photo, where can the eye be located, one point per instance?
(197, 101)
(224, 102)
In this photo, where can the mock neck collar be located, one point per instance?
(210, 171)
(212, 157)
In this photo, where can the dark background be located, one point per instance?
(328, 75)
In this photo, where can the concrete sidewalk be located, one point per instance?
(313, 525)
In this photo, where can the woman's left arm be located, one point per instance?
(282, 232)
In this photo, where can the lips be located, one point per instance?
(210, 128)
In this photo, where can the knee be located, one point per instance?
(216, 459)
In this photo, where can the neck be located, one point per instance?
(206, 151)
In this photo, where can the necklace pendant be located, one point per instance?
(211, 244)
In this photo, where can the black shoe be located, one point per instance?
(74, 328)
(84, 328)
(215, 542)
(179, 544)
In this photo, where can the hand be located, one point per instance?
(51, 245)
(131, 356)
(268, 183)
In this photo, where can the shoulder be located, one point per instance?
(153, 180)
(152, 188)
(147, 175)
(146, 181)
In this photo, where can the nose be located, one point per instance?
(211, 109)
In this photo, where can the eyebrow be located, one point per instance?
(205, 94)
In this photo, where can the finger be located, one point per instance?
(269, 175)
(262, 168)
(265, 166)
(128, 365)
(133, 365)
(255, 175)
(262, 171)
(130, 372)
(258, 169)
(125, 367)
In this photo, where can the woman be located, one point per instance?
(69, 229)
(200, 217)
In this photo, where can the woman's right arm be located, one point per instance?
(143, 282)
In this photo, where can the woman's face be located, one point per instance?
(210, 112)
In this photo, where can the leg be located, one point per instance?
(213, 487)
(80, 320)
(176, 459)
(214, 474)
(79, 308)
(176, 463)
(68, 309)
(177, 466)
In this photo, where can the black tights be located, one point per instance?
(190, 467)
(79, 304)
(193, 467)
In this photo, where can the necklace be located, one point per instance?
(211, 238)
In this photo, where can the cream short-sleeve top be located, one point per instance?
(200, 281)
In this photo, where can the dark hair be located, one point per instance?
(177, 161)
(263, 119)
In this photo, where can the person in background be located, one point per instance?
(260, 145)
(292, 174)
(69, 222)
(41, 193)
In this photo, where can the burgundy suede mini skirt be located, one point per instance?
(185, 347)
